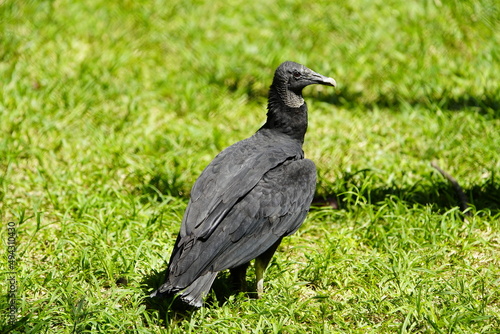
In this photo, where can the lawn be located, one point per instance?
(109, 111)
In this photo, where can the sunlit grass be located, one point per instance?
(109, 112)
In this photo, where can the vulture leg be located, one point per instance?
(261, 264)
(239, 277)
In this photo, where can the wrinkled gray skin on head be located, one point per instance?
(290, 78)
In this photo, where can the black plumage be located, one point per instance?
(249, 197)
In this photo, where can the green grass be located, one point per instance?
(109, 112)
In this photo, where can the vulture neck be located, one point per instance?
(286, 113)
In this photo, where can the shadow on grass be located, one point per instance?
(169, 308)
(165, 185)
(438, 193)
(442, 196)
(486, 104)
(20, 326)
(172, 308)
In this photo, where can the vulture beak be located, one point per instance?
(322, 80)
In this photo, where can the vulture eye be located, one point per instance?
(296, 74)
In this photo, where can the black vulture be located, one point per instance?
(249, 197)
